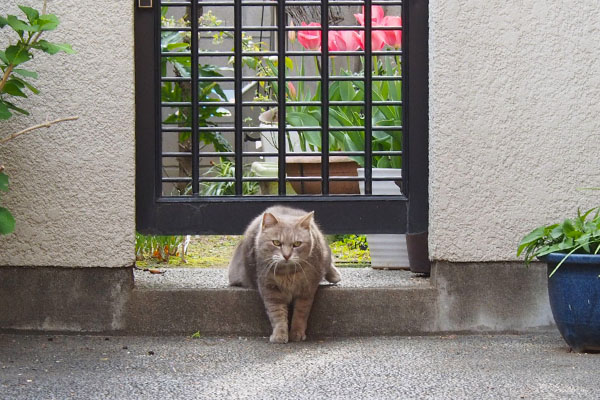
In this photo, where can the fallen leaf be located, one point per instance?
(156, 271)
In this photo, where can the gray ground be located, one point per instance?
(535, 366)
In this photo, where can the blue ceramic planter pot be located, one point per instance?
(574, 292)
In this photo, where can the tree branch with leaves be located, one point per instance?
(14, 83)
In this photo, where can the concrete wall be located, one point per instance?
(72, 186)
(514, 121)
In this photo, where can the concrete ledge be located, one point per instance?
(367, 302)
(459, 297)
(235, 311)
(210, 311)
(64, 299)
(373, 311)
(493, 297)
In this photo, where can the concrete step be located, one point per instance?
(459, 297)
(365, 302)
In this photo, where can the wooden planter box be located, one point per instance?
(311, 166)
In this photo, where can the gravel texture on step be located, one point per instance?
(195, 278)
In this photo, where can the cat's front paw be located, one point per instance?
(279, 337)
(297, 336)
(333, 275)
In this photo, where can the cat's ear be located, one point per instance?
(269, 220)
(306, 220)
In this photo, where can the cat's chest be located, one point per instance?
(292, 283)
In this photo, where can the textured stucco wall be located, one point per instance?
(73, 185)
(514, 121)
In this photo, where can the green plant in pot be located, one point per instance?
(15, 80)
(571, 251)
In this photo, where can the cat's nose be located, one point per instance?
(286, 256)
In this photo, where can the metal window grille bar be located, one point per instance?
(281, 110)
(274, 78)
(274, 103)
(271, 154)
(237, 67)
(325, 96)
(261, 129)
(368, 76)
(195, 102)
(265, 28)
(274, 53)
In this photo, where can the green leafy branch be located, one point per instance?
(14, 82)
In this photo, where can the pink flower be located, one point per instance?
(310, 39)
(393, 38)
(377, 37)
(343, 40)
(292, 90)
(377, 40)
(376, 16)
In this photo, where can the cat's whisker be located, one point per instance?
(295, 271)
(302, 269)
(270, 264)
(295, 264)
(275, 265)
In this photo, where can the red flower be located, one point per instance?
(377, 40)
(376, 16)
(393, 38)
(310, 39)
(344, 40)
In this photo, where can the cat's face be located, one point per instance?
(285, 240)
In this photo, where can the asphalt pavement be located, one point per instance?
(526, 366)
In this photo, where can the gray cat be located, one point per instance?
(284, 255)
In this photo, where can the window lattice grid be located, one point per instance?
(209, 128)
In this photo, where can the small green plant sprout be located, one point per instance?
(577, 235)
(14, 82)
(196, 335)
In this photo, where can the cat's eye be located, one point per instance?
(277, 243)
(297, 244)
